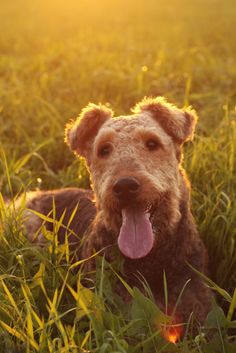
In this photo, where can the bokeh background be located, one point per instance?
(57, 56)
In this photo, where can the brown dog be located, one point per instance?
(141, 199)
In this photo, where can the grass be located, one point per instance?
(55, 58)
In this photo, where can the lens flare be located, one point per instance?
(172, 333)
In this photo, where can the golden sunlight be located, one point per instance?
(172, 333)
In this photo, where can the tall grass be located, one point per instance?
(55, 57)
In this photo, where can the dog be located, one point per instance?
(140, 203)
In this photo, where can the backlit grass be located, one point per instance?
(57, 56)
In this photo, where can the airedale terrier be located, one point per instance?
(141, 198)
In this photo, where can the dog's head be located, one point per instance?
(134, 165)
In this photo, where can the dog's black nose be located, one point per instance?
(126, 189)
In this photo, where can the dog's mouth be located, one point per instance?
(136, 236)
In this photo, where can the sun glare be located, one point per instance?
(172, 333)
(172, 338)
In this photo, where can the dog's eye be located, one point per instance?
(152, 145)
(104, 150)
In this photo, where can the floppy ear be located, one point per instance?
(80, 133)
(178, 123)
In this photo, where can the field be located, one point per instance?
(57, 56)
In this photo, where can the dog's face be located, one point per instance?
(134, 165)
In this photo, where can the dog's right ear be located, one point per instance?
(80, 133)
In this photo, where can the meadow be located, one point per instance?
(57, 56)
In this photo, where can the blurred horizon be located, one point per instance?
(67, 18)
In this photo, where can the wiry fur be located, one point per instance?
(79, 133)
(164, 190)
(178, 123)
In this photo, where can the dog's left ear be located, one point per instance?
(178, 123)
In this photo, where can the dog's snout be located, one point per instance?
(126, 188)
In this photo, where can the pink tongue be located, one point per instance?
(136, 237)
